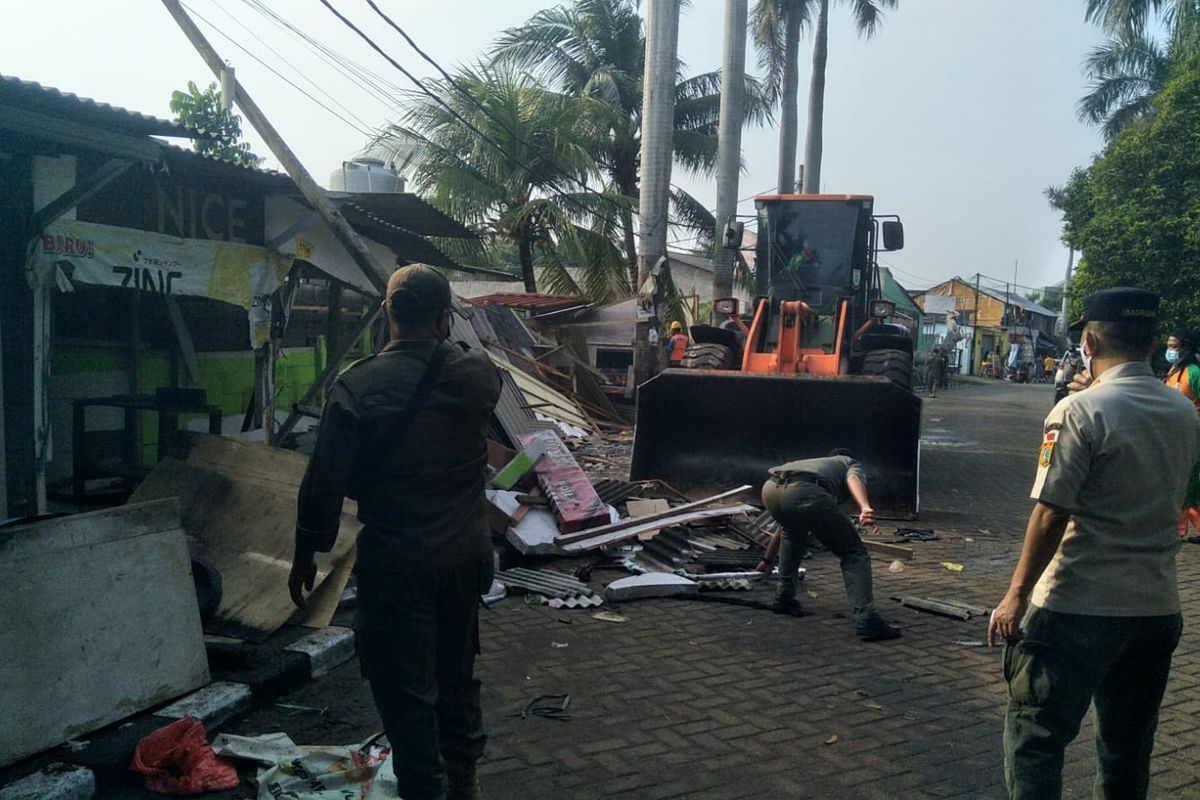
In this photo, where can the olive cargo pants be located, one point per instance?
(1065, 663)
(801, 507)
(417, 634)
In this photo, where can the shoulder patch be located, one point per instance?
(1046, 451)
(1053, 426)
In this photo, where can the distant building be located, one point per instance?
(979, 321)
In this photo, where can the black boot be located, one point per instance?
(875, 629)
(462, 781)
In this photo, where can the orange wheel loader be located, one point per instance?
(817, 366)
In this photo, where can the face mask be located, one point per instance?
(1085, 356)
(1172, 356)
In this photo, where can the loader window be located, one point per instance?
(812, 249)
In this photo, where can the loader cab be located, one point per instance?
(816, 248)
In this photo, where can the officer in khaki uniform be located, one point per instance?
(803, 496)
(1092, 613)
(403, 433)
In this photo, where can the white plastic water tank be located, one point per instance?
(365, 175)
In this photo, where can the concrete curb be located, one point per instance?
(55, 782)
(213, 705)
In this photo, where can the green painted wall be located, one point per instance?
(227, 378)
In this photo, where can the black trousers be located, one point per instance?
(417, 635)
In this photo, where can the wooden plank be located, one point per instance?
(887, 549)
(102, 623)
(646, 525)
(238, 505)
(617, 526)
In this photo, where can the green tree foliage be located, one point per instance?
(202, 109)
(521, 185)
(1134, 213)
(596, 49)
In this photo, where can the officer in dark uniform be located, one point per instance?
(803, 496)
(403, 433)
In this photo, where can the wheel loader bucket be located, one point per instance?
(710, 428)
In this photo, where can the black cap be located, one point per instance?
(418, 289)
(1118, 304)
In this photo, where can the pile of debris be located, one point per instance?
(544, 505)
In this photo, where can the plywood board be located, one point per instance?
(101, 622)
(238, 506)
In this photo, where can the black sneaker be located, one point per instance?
(787, 605)
(876, 629)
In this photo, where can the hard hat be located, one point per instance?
(675, 326)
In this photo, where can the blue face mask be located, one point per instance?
(1172, 356)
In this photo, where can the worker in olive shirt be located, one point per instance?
(803, 496)
(1092, 613)
(403, 433)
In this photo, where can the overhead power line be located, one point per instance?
(274, 71)
(466, 93)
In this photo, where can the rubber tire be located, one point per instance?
(708, 356)
(896, 365)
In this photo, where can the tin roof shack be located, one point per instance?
(159, 282)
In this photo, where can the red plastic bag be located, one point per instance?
(176, 759)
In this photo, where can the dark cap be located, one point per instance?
(1118, 304)
(417, 290)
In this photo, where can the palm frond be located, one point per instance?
(689, 214)
(868, 15)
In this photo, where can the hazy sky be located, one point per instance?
(955, 116)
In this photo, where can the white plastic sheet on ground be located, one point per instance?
(356, 772)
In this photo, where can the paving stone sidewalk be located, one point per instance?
(696, 700)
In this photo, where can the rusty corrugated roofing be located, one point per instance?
(531, 302)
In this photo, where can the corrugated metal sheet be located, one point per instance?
(409, 212)
(48, 100)
(511, 412)
(545, 400)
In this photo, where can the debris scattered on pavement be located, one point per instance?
(952, 566)
(889, 549)
(609, 616)
(547, 706)
(971, 643)
(558, 645)
(832, 739)
(917, 534)
(176, 759)
(946, 608)
(896, 566)
(296, 708)
(543, 581)
(652, 584)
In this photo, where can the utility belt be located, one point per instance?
(805, 478)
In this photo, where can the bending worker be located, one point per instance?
(676, 345)
(404, 433)
(803, 496)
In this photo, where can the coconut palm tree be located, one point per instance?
(596, 49)
(777, 25)
(518, 181)
(1129, 69)
(1125, 73)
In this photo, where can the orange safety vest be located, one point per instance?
(1182, 380)
(679, 343)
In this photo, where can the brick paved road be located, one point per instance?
(693, 700)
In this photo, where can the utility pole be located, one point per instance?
(314, 194)
(658, 111)
(1066, 297)
(375, 271)
(729, 139)
(975, 328)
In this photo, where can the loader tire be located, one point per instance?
(708, 356)
(895, 365)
